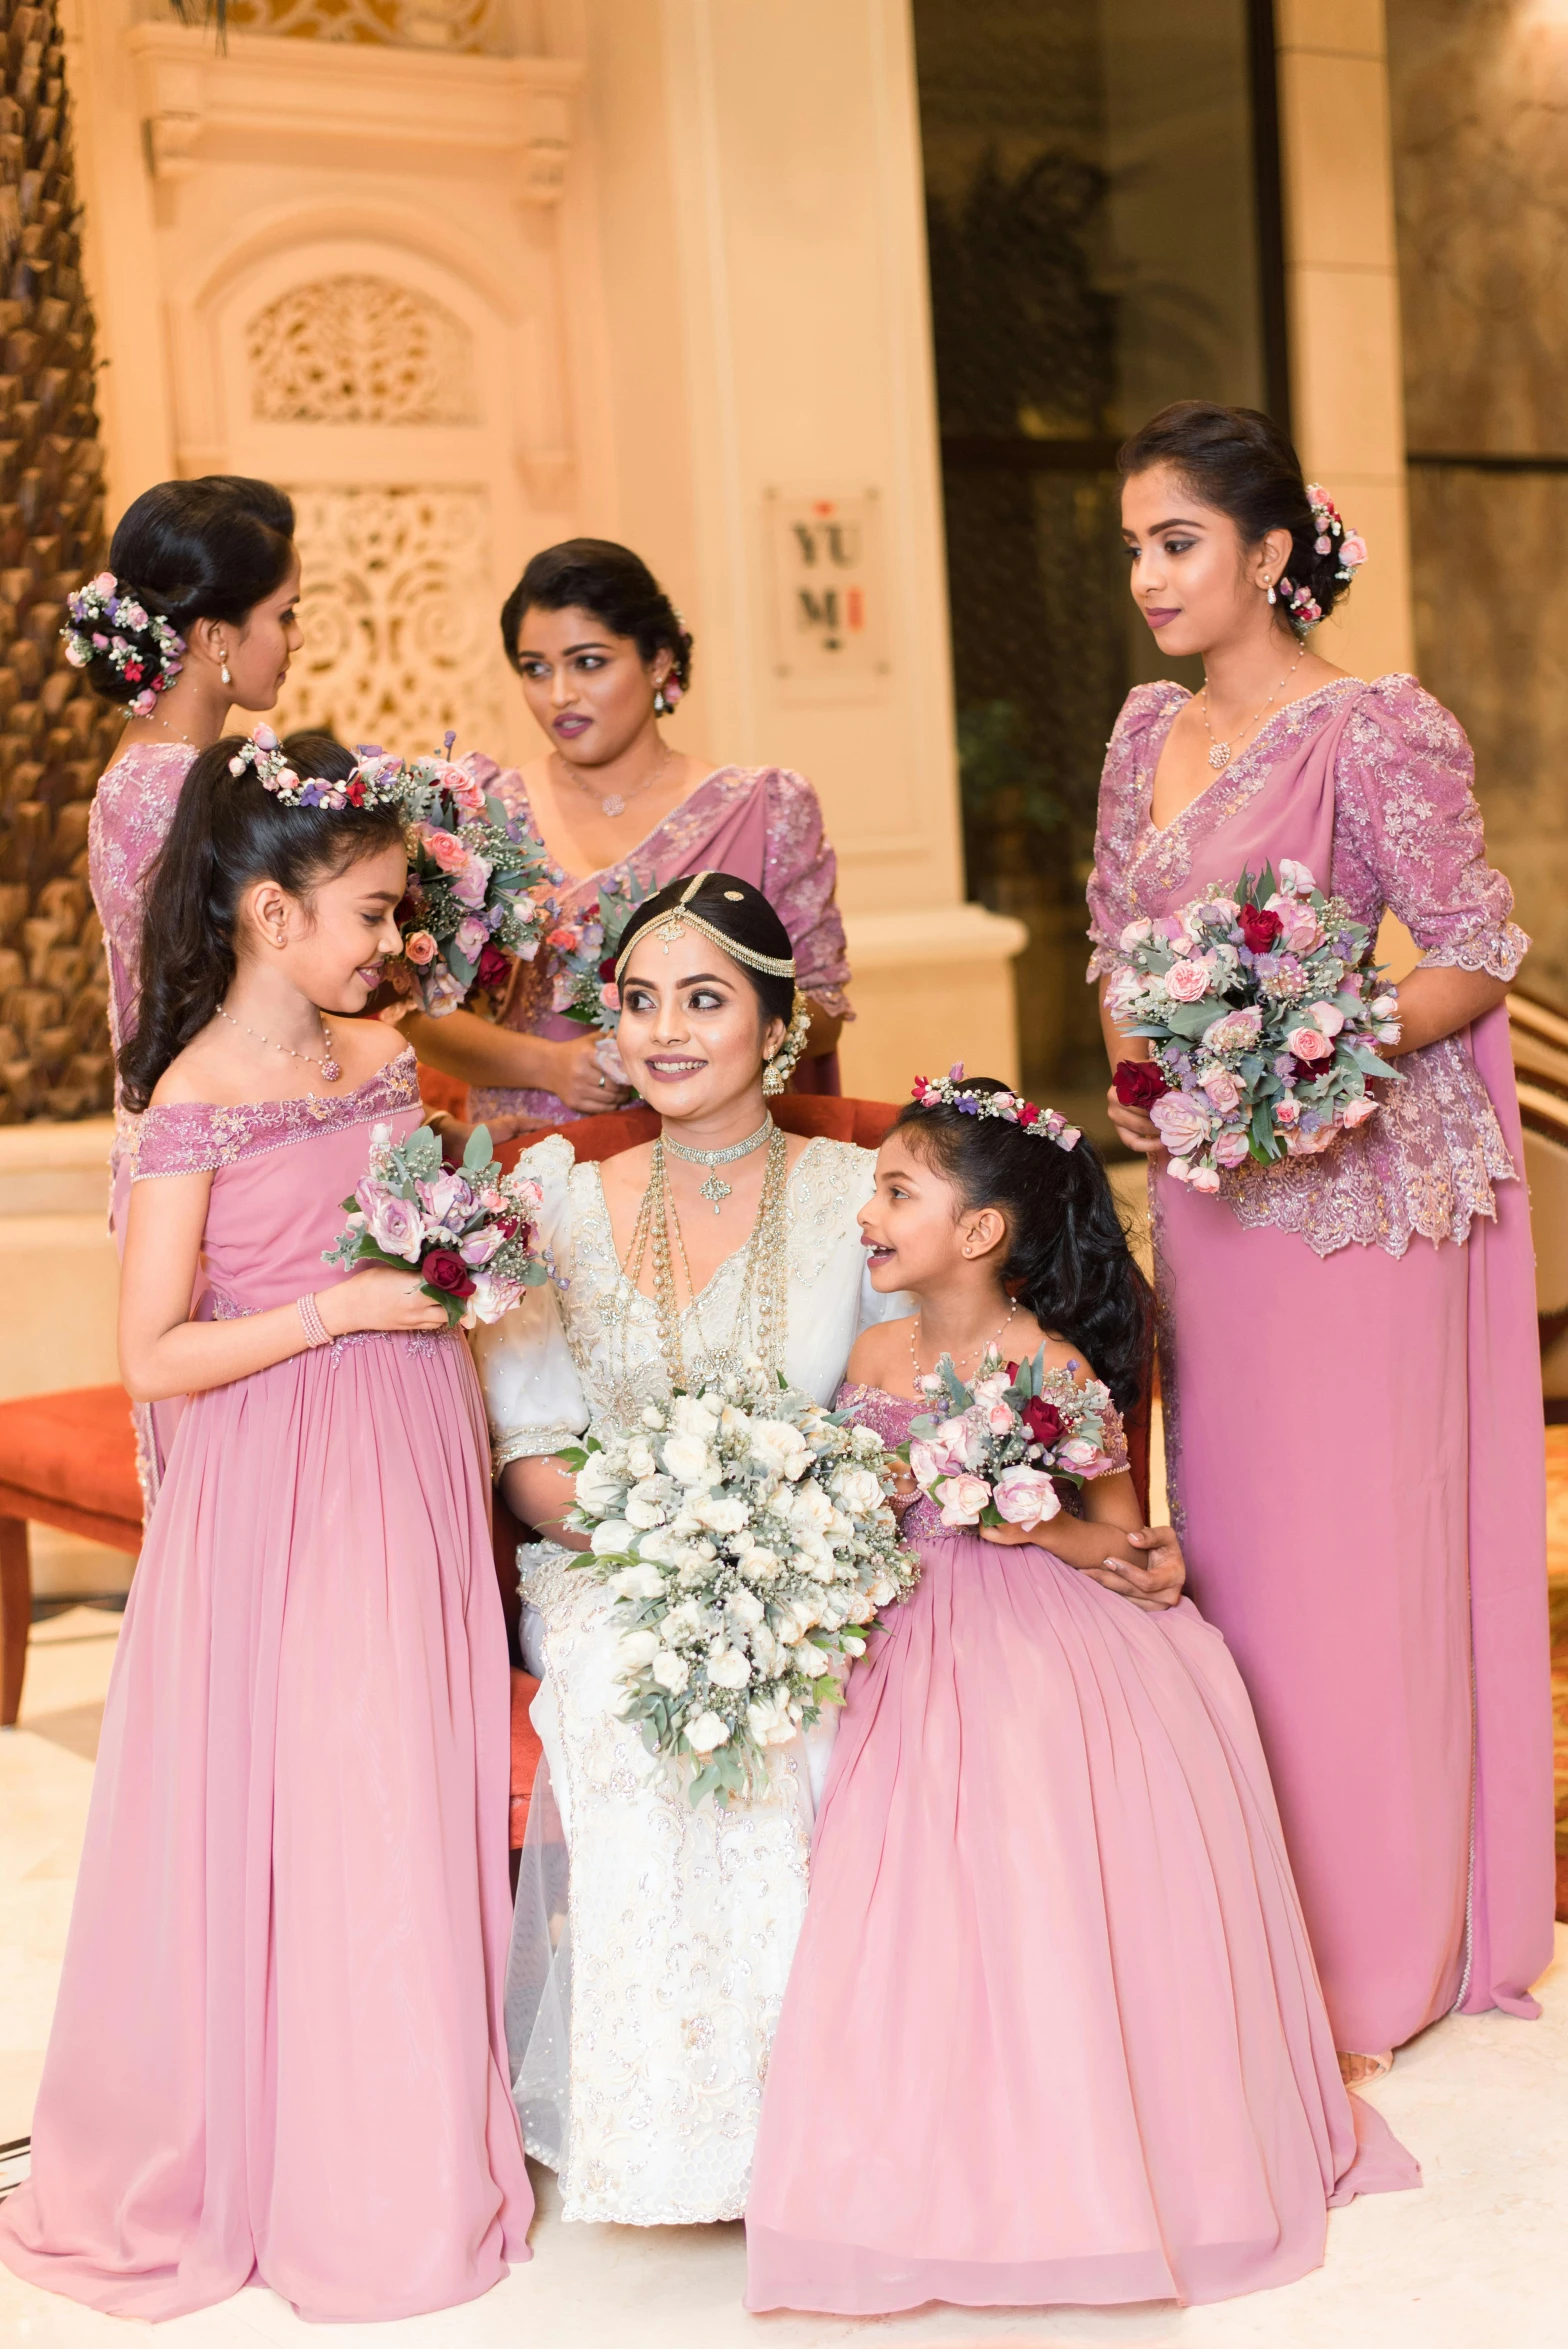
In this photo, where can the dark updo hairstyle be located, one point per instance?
(740, 914)
(1067, 1257)
(210, 549)
(1238, 461)
(229, 832)
(617, 586)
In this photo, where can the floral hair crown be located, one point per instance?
(375, 782)
(950, 1092)
(100, 616)
(1300, 602)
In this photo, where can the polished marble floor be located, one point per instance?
(1476, 2258)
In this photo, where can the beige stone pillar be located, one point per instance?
(1343, 287)
(765, 345)
(1342, 281)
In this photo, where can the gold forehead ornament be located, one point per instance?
(673, 926)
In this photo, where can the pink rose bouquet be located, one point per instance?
(470, 1231)
(1264, 1008)
(996, 1452)
(478, 889)
(586, 947)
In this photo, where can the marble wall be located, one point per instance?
(1479, 92)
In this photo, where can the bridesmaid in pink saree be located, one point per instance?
(603, 656)
(1350, 1362)
(214, 561)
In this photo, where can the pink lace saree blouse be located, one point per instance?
(1371, 786)
(762, 823)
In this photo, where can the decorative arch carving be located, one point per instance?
(471, 27)
(358, 349)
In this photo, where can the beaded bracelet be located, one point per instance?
(316, 1330)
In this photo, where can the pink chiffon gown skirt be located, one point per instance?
(1053, 2032)
(277, 2054)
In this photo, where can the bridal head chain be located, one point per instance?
(375, 782)
(1332, 537)
(673, 925)
(107, 623)
(950, 1092)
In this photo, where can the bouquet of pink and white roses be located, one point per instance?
(469, 1231)
(995, 1455)
(478, 890)
(1264, 1007)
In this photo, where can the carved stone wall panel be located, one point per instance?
(398, 616)
(467, 27)
(354, 349)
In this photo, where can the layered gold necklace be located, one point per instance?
(760, 1326)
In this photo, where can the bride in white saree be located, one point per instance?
(653, 1940)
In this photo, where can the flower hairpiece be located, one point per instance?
(100, 615)
(375, 782)
(1300, 602)
(950, 1092)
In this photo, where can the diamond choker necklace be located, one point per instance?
(716, 1188)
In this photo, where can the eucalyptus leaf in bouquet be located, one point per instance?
(746, 1534)
(471, 1232)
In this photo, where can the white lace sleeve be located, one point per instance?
(533, 1395)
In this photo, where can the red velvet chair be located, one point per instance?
(67, 1460)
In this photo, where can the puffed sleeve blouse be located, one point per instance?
(1408, 838)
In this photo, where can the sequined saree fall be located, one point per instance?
(1351, 1382)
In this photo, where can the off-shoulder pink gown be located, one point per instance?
(132, 810)
(278, 2051)
(1352, 1382)
(1052, 2033)
(762, 823)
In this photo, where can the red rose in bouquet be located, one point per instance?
(1139, 1083)
(444, 1269)
(1042, 1419)
(1261, 928)
(493, 967)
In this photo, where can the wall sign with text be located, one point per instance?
(829, 590)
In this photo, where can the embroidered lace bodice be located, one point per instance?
(132, 810)
(584, 1347)
(280, 1173)
(892, 1416)
(799, 875)
(1407, 836)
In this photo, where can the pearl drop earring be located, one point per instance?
(224, 670)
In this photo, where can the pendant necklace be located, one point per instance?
(328, 1063)
(1221, 753)
(615, 803)
(988, 1348)
(716, 1188)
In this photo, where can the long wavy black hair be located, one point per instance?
(228, 833)
(1067, 1255)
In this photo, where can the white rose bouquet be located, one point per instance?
(747, 1537)
(994, 1456)
(1263, 1008)
(469, 1231)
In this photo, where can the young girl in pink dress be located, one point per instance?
(277, 2054)
(204, 580)
(1349, 1357)
(1053, 2032)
